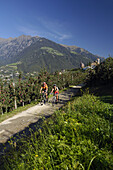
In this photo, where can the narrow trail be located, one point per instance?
(30, 117)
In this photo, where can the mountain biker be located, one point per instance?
(55, 90)
(44, 89)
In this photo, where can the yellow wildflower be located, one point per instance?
(75, 129)
(40, 130)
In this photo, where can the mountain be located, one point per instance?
(35, 53)
(11, 47)
(81, 51)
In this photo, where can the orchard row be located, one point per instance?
(13, 95)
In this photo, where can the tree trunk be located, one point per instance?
(15, 103)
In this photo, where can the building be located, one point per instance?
(82, 65)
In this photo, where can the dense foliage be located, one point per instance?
(24, 91)
(102, 74)
(77, 137)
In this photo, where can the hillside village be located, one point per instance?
(91, 65)
(10, 72)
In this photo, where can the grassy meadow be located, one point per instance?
(78, 137)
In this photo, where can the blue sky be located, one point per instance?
(85, 23)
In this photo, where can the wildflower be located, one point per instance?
(78, 123)
(15, 144)
(40, 130)
(75, 129)
(36, 156)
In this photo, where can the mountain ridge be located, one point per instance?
(79, 50)
(46, 53)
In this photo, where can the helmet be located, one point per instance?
(44, 83)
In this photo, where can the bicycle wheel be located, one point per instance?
(44, 99)
(41, 100)
(54, 100)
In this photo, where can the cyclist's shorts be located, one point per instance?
(56, 92)
(44, 91)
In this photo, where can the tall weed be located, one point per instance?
(77, 137)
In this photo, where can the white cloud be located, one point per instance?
(61, 36)
(27, 30)
(55, 28)
(46, 28)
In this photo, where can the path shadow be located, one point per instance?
(25, 133)
(33, 127)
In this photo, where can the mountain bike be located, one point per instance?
(54, 100)
(43, 98)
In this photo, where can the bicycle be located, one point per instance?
(54, 100)
(43, 98)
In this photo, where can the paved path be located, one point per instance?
(21, 121)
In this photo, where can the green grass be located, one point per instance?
(16, 111)
(74, 52)
(52, 51)
(14, 64)
(104, 92)
(77, 137)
